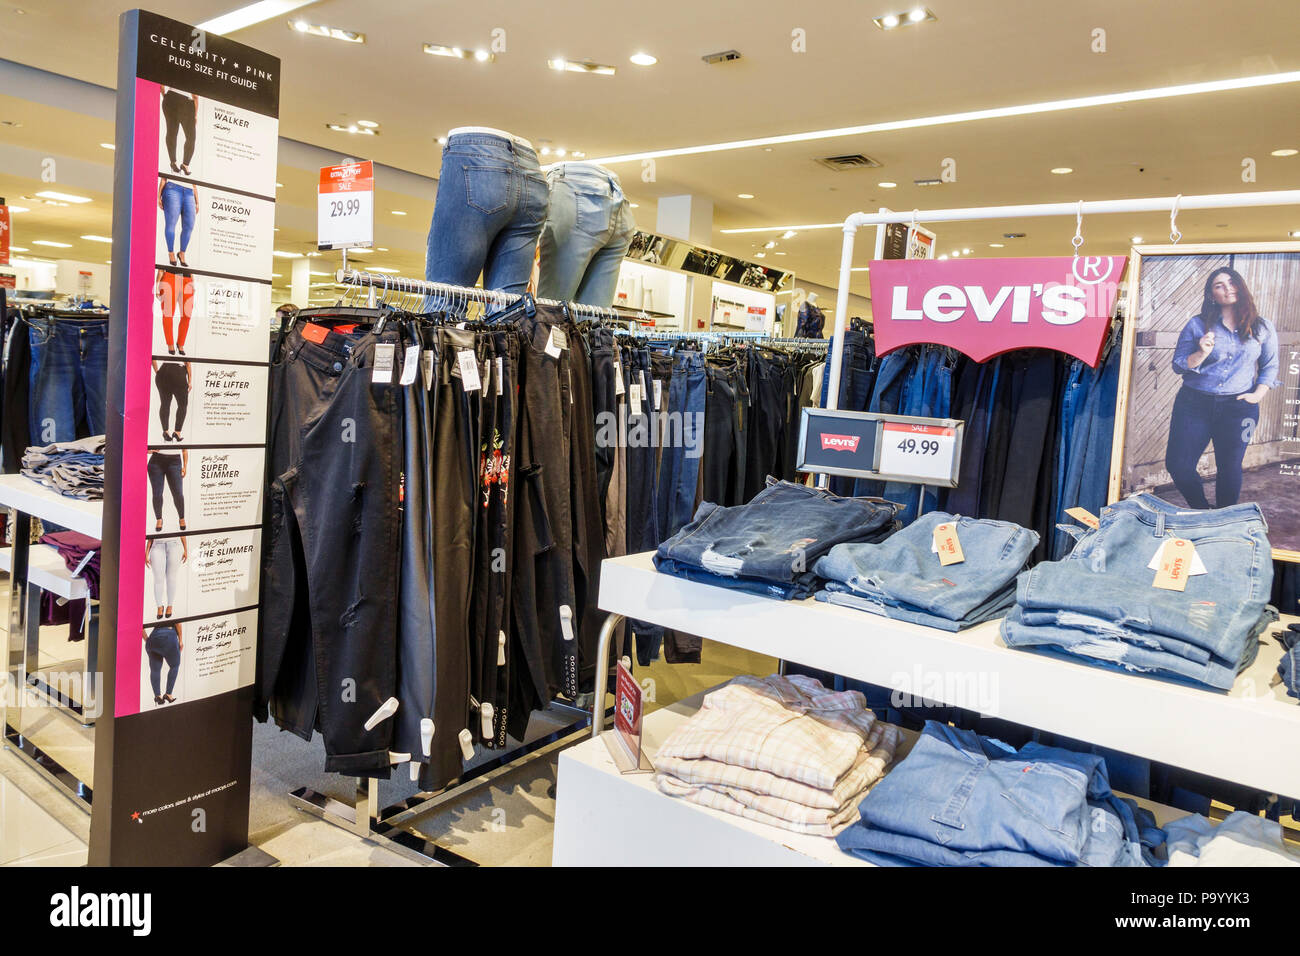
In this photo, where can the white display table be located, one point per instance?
(32, 498)
(607, 818)
(1249, 736)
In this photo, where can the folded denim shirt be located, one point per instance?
(960, 799)
(902, 576)
(777, 537)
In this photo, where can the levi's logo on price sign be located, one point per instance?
(345, 206)
(840, 442)
(984, 307)
(918, 451)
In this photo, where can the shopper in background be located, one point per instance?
(492, 202)
(587, 233)
(1228, 358)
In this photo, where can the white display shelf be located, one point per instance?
(33, 498)
(1250, 735)
(607, 818)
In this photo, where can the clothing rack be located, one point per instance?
(366, 817)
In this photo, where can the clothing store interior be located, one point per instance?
(559, 492)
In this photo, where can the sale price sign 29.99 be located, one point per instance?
(345, 206)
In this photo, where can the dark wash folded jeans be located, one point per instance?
(779, 535)
(329, 618)
(802, 587)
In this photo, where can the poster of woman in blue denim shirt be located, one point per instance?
(1213, 390)
(1227, 355)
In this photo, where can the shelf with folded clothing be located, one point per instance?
(1241, 735)
(32, 498)
(604, 817)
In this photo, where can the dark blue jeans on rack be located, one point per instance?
(887, 396)
(857, 375)
(927, 394)
(68, 378)
(679, 470)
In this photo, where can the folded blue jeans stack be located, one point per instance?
(959, 799)
(72, 468)
(902, 577)
(1099, 603)
(1289, 668)
(770, 545)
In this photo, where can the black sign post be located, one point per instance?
(193, 218)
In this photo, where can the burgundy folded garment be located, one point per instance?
(73, 548)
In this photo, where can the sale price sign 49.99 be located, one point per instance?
(918, 451)
(345, 206)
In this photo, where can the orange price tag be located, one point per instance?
(949, 548)
(1175, 565)
(1084, 516)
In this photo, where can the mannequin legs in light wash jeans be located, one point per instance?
(587, 233)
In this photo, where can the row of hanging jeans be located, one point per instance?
(1038, 432)
(431, 535)
(682, 426)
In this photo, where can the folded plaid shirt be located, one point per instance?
(785, 751)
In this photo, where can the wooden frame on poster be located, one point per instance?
(1136, 256)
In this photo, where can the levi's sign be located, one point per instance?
(840, 442)
(984, 307)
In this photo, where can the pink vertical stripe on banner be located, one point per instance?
(135, 425)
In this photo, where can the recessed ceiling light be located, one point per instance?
(321, 30)
(887, 185)
(634, 205)
(250, 14)
(1285, 152)
(789, 234)
(643, 59)
(62, 197)
(956, 253)
(997, 245)
(320, 274)
(580, 66)
(933, 181)
(351, 128)
(944, 256)
(770, 244)
(912, 17)
(779, 253)
(1062, 170)
(1136, 239)
(18, 209)
(286, 255)
(965, 252)
(279, 185)
(49, 242)
(24, 248)
(744, 195)
(108, 146)
(483, 56)
(1294, 235)
(92, 238)
(760, 255)
(861, 269)
(368, 124)
(561, 151)
(398, 212)
(275, 275)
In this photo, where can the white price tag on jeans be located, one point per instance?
(1198, 566)
(411, 365)
(500, 374)
(487, 376)
(917, 451)
(634, 398)
(468, 370)
(618, 378)
(383, 369)
(659, 394)
(426, 361)
(553, 346)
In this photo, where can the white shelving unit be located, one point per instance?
(1250, 735)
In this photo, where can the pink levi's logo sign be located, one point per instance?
(984, 307)
(840, 442)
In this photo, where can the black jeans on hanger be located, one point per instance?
(328, 643)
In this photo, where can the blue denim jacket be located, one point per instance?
(1235, 366)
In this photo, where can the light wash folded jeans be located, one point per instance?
(904, 570)
(995, 606)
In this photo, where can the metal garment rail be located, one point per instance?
(394, 826)
(1154, 204)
